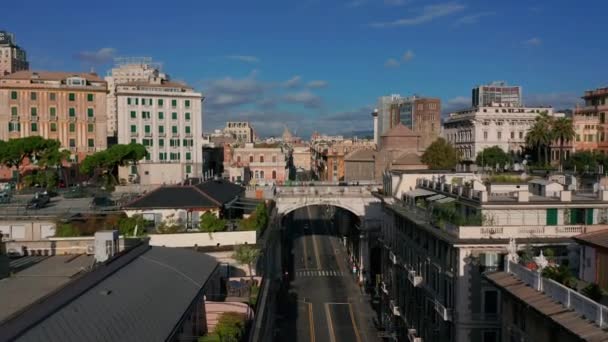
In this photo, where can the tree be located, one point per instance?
(440, 155)
(170, 225)
(563, 130)
(584, 161)
(230, 327)
(257, 220)
(560, 274)
(107, 162)
(593, 292)
(246, 255)
(127, 225)
(34, 148)
(540, 135)
(493, 156)
(210, 223)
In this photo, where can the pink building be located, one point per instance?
(266, 163)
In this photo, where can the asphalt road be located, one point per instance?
(323, 302)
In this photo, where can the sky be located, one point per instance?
(319, 65)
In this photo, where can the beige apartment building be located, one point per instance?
(242, 131)
(12, 57)
(68, 107)
(166, 117)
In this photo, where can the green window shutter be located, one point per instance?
(174, 129)
(90, 97)
(72, 97)
(90, 112)
(174, 116)
(53, 111)
(72, 112)
(187, 129)
(188, 155)
(72, 127)
(52, 96)
(34, 111)
(91, 142)
(173, 103)
(160, 156)
(551, 217)
(133, 128)
(133, 169)
(34, 127)
(53, 127)
(589, 219)
(161, 129)
(90, 128)
(13, 95)
(128, 100)
(137, 100)
(161, 142)
(188, 168)
(187, 103)
(161, 102)
(72, 142)
(133, 114)
(161, 115)
(147, 128)
(133, 141)
(14, 111)
(33, 96)
(187, 116)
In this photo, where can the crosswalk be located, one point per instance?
(319, 273)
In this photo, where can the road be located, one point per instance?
(324, 302)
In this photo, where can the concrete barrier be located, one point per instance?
(203, 239)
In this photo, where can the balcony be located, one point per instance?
(444, 313)
(147, 134)
(34, 118)
(53, 118)
(91, 149)
(188, 135)
(384, 288)
(72, 118)
(15, 118)
(506, 232)
(416, 280)
(162, 134)
(134, 134)
(90, 119)
(394, 308)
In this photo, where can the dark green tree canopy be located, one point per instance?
(115, 156)
(441, 155)
(493, 156)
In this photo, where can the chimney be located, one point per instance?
(376, 133)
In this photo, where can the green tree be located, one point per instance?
(210, 223)
(493, 156)
(34, 148)
(563, 130)
(440, 155)
(107, 162)
(127, 225)
(560, 274)
(593, 292)
(584, 161)
(67, 230)
(230, 327)
(540, 136)
(246, 255)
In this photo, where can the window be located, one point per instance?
(188, 168)
(72, 111)
(133, 114)
(485, 135)
(188, 155)
(53, 127)
(33, 96)
(53, 111)
(90, 98)
(251, 159)
(490, 302)
(14, 111)
(274, 174)
(143, 101)
(128, 100)
(90, 112)
(133, 169)
(161, 155)
(34, 127)
(147, 128)
(90, 128)
(187, 116)
(136, 101)
(173, 103)
(161, 115)
(187, 103)
(34, 111)
(145, 115)
(72, 143)
(578, 137)
(512, 135)
(72, 127)
(133, 141)
(13, 95)
(161, 103)
(91, 142)
(521, 135)
(52, 96)
(133, 128)
(161, 129)
(72, 97)
(262, 174)
(161, 142)
(187, 129)
(274, 159)
(174, 116)
(14, 127)
(261, 159)
(499, 135)
(174, 129)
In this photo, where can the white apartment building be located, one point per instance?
(166, 117)
(12, 57)
(242, 131)
(127, 69)
(475, 129)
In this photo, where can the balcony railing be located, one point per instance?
(384, 288)
(90, 119)
(15, 118)
(394, 308)
(569, 298)
(506, 232)
(444, 313)
(34, 118)
(416, 280)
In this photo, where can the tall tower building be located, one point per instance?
(128, 69)
(497, 92)
(12, 57)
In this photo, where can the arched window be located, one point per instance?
(261, 159)
(262, 174)
(274, 174)
(251, 159)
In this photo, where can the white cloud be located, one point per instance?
(392, 63)
(317, 84)
(428, 13)
(534, 41)
(408, 56)
(101, 56)
(305, 98)
(472, 18)
(293, 82)
(244, 58)
(456, 103)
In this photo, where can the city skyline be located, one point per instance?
(327, 74)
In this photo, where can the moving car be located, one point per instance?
(39, 201)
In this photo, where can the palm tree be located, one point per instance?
(563, 130)
(540, 135)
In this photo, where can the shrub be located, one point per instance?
(230, 327)
(67, 230)
(211, 223)
(127, 225)
(593, 292)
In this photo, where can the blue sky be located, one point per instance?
(320, 65)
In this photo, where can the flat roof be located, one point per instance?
(35, 282)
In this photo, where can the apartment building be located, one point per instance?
(68, 107)
(242, 131)
(165, 117)
(477, 128)
(589, 122)
(497, 92)
(12, 57)
(439, 240)
(265, 164)
(127, 69)
(328, 157)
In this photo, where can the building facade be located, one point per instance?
(497, 92)
(130, 69)
(589, 122)
(166, 118)
(301, 157)
(438, 242)
(328, 157)
(475, 129)
(242, 131)
(68, 107)
(12, 57)
(266, 165)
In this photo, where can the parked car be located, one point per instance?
(102, 202)
(39, 201)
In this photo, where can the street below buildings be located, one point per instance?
(324, 301)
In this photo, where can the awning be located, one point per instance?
(418, 193)
(446, 200)
(435, 198)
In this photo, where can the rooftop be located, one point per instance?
(364, 154)
(400, 130)
(161, 84)
(595, 239)
(50, 76)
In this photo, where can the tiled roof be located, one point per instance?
(400, 131)
(364, 154)
(210, 194)
(142, 301)
(408, 159)
(51, 76)
(596, 239)
(554, 311)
